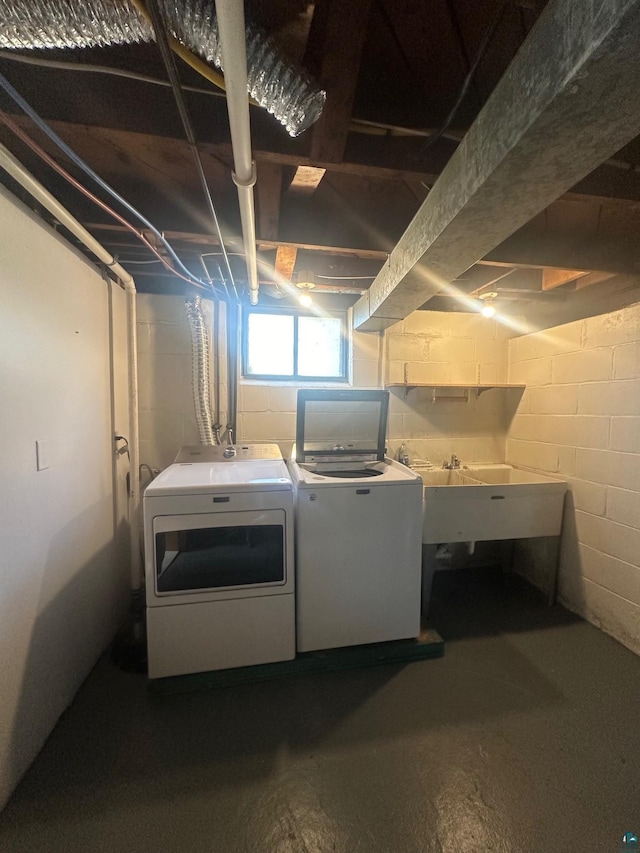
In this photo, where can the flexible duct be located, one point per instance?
(200, 345)
(283, 89)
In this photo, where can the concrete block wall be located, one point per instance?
(167, 413)
(266, 411)
(428, 346)
(449, 348)
(580, 419)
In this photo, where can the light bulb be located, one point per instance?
(488, 310)
(305, 300)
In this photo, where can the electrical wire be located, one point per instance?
(187, 56)
(103, 69)
(346, 277)
(172, 73)
(356, 125)
(71, 154)
(486, 41)
(17, 130)
(140, 263)
(183, 52)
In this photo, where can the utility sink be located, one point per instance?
(489, 502)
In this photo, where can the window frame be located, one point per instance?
(295, 377)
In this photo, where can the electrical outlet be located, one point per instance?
(42, 455)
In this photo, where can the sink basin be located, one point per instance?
(503, 475)
(489, 502)
(444, 477)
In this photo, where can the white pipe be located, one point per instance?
(18, 172)
(231, 29)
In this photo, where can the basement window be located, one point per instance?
(294, 345)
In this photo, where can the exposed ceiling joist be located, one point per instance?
(580, 70)
(337, 32)
(529, 247)
(268, 188)
(556, 278)
(189, 237)
(593, 278)
(169, 155)
(125, 151)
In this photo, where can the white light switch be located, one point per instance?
(42, 455)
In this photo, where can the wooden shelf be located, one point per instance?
(435, 386)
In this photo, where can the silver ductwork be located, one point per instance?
(201, 381)
(62, 23)
(283, 89)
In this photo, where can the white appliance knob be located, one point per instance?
(229, 452)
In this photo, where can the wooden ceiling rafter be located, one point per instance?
(556, 278)
(268, 191)
(113, 151)
(334, 50)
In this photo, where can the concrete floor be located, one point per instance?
(523, 738)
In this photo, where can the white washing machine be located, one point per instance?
(219, 548)
(358, 525)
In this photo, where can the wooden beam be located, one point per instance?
(593, 278)
(285, 261)
(338, 30)
(518, 158)
(189, 237)
(489, 285)
(268, 188)
(535, 249)
(126, 150)
(167, 159)
(306, 180)
(556, 278)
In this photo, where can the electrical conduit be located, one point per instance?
(14, 167)
(231, 26)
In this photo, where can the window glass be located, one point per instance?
(270, 344)
(294, 345)
(319, 346)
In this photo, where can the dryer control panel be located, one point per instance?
(227, 452)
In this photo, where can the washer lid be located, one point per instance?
(243, 475)
(389, 471)
(341, 426)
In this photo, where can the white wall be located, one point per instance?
(580, 419)
(63, 542)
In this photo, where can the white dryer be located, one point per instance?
(358, 525)
(220, 588)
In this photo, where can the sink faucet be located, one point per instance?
(453, 464)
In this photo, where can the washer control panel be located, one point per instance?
(228, 452)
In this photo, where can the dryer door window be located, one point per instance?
(209, 552)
